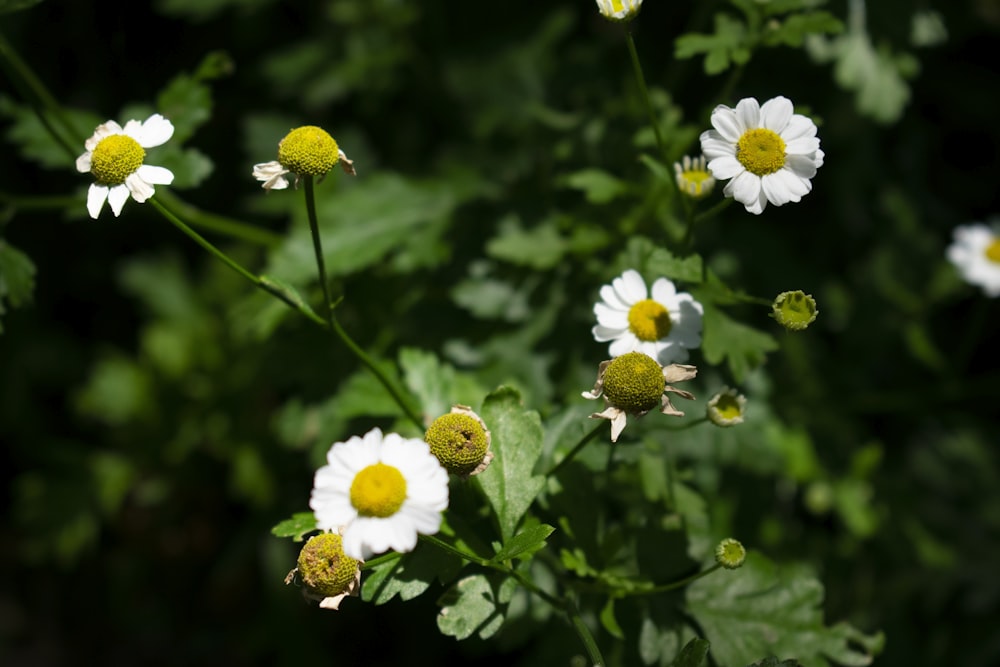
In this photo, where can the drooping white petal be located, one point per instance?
(155, 175)
(83, 162)
(117, 196)
(603, 334)
(154, 131)
(140, 189)
(96, 196)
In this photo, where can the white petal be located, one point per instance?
(83, 162)
(117, 196)
(800, 165)
(155, 175)
(716, 148)
(671, 354)
(103, 130)
(608, 317)
(726, 123)
(799, 127)
(664, 292)
(618, 425)
(603, 334)
(726, 167)
(744, 188)
(426, 521)
(775, 114)
(748, 114)
(154, 131)
(775, 191)
(631, 287)
(625, 344)
(96, 196)
(611, 298)
(802, 146)
(140, 189)
(818, 158)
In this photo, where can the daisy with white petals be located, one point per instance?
(767, 153)
(619, 10)
(664, 327)
(114, 156)
(976, 254)
(382, 490)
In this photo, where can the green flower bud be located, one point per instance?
(794, 310)
(730, 554)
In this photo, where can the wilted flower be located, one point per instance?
(115, 157)
(460, 441)
(634, 384)
(767, 153)
(326, 572)
(305, 151)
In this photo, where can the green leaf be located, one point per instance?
(599, 187)
(475, 604)
(35, 141)
(743, 347)
(539, 248)
(410, 575)
(793, 30)
(526, 542)
(286, 292)
(693, 654)
(190, 166)
(721, 49)
(187, 104)
(17, 278)
(437, 385)
(296, 527)
(655, 262)
(773, 662)
(508, 483)
(763, 609)
(609, 621)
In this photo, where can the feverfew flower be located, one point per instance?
(619, 10)
(382, 491)
(768, 152)
(305, 151)
(665, 326)
(327, 573)
(114, 156)
(976, 254)
(693, 177)
(634, 384)
(460, 441)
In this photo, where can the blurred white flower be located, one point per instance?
(975, 252)
(619, 10)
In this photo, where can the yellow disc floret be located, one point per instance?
(458, 441)
(115, 158)
(634, 382)
(379, 490)
(308, 151)
(649, 320)
(993, 251)
(324, 567)
(761, 151)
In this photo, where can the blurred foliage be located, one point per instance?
(159, 416)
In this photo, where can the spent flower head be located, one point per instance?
(115, 156)
(460, 441)
(975, 252)
(727, 408)
(634, 384)
(619, 10)
(382, 490)
(693, 177)
(794, 310)
(664, 324)
(766, 152)
(326, 572)
(305, 151)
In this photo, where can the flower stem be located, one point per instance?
(719, 207)
(318, 248)
(576, 448)
(584, 633)
(641, 81)
(674, 585)
(218, 223)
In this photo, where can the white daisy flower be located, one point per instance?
(619, 10)
(114, 156)
(305, 151)
(664, 327)
(976, 254)
(382, 491)
(767, 153)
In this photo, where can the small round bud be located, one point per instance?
(730, 554)
(634, 382)
(727, 408)
(308, 151)
(325, 569)
(693, 177)
(460, 441)
(794, 310)
(619, 10)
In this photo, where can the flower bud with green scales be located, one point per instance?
(730, 553)
(635, 383)
(794, 310)
(460, 441)
(328, 575)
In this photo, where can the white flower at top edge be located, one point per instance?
(664, 327)
(619, 10)
(767, 153)
(115, 157)
(382, 490)
(975, 252)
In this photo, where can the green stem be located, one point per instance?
(715, 210)
(218, 223)
(378, 560)
(641, 81)
(318, 248)
(584, 633)
(675, 585)
(576, 449)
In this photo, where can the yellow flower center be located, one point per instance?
(728, 407)
(993, 251)
(649, 320)
(378, 490)
(115, 158)
(634, 382)
(694, 181)
(761, 151)
(308, 150)
(458, 441)
(324, 567)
